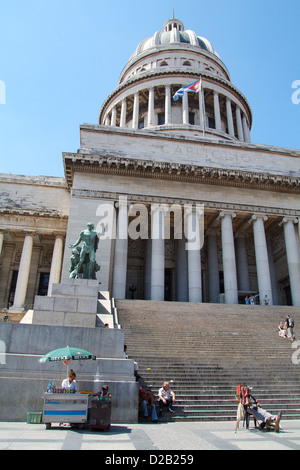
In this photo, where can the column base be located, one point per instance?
(13, 309)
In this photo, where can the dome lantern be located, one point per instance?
(173, 23)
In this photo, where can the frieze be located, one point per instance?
(240, 208)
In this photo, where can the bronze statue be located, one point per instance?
(83, 262)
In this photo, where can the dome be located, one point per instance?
(164, 64)
(173, 34)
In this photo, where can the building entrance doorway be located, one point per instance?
(168, 284)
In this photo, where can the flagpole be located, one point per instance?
(201, 106)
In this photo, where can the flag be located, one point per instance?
(194, 87)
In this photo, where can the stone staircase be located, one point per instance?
(205, 350)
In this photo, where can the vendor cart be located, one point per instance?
(65, 408)
(100, 414)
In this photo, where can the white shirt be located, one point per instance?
(69, 386)
(166, 394)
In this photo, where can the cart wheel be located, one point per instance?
(48, 425)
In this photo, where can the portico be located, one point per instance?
(193, 210)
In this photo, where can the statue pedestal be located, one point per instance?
(75, 302)
(73, 315)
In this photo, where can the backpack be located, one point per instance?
(291, 323)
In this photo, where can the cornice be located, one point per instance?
(114, 165)
(32, 212)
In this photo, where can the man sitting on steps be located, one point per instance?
(166, 397)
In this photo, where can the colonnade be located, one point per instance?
(234, 259)
(25, 264)
(189, 276)
(241, 132)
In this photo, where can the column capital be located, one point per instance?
(59, 235)
(159, 207)
(224, 213)
(188, 209)
(122, 201)
(287, 219)
(255, 217)
(29, 233)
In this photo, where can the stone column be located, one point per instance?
(272, 271)
(150, 107)
(23, 275)
(121, 250)
(113, 116)
(246, 129)
(229, 117)
(239, 124)
(194, 256)
(158, 253)
(182, 270)
(213, 266)
(147, 270)
(135, 118)
(228, 253)
(1, 241)
(262, 259)
(56, 263)
(168, 104)
(242, 263)
(293, 260)
(123, 113)
(185, 108)
(217, 111)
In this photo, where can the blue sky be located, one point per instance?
(61, 59)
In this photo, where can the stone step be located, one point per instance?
(205, 350)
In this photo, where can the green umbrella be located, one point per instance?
(66, 355)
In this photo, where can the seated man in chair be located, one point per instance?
(267, 419)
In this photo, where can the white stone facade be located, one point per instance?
(145, 168)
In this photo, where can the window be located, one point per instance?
(12, 289)
(161, 119)
(43, 284)
(191, 118)
(211, 123)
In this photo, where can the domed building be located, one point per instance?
(160, 65)
(191, 210)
